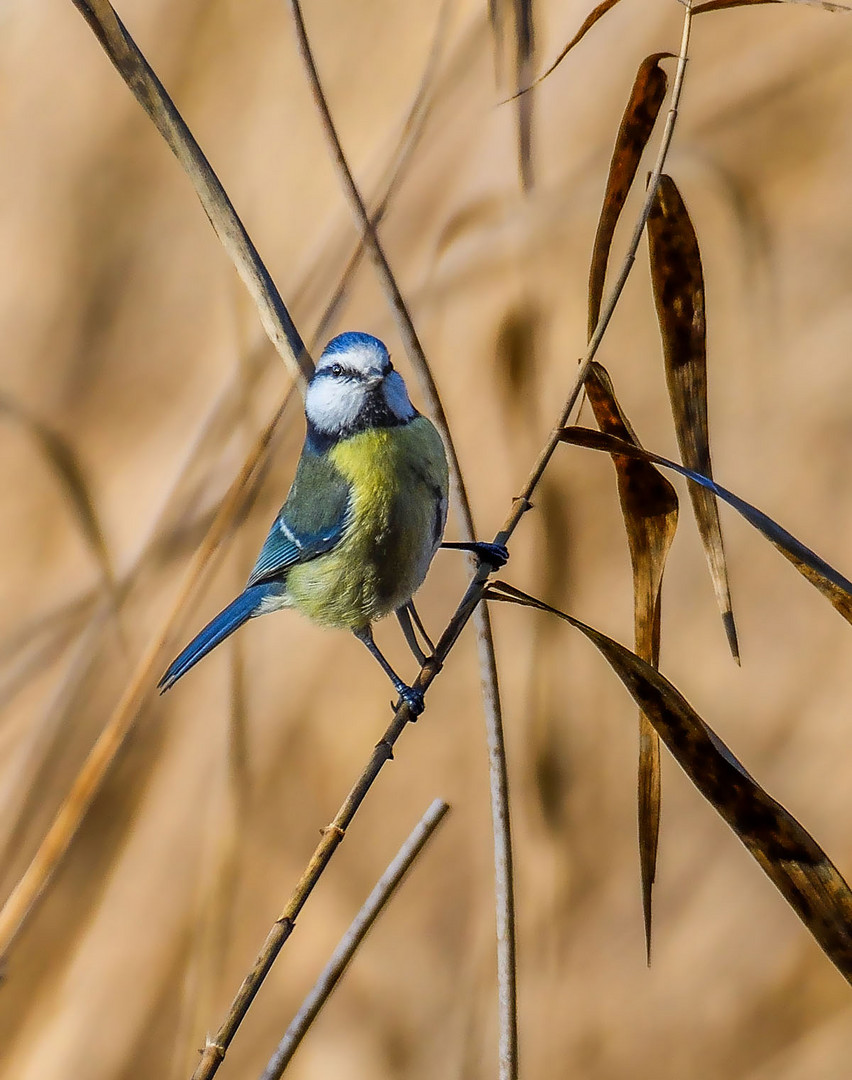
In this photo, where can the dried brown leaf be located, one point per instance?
(590, 20)
(678, 282)
(831, 583)
(722, 5)
(650, 506)
(787, 853)
(637, 123)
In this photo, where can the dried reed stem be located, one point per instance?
(217, 1046)
(499, 787)
(151, 95)
(373, 906)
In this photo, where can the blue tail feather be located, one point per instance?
(215, 632)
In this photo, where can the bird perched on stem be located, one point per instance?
(363, 518)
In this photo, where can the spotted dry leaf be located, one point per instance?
(831, 583)
(637, 123)
(649, 504)
(786, 852)
(678, 283)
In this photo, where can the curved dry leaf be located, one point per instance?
(637, 123)
(650, 506)
(722, 5)
(785, 851)
(589, 22)
(831, 583)
(678, 282)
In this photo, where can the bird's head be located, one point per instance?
(355, 387)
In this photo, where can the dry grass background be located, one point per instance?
(124, 328)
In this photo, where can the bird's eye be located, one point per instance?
(336, 370)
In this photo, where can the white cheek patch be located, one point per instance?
(396, 397)
(333, 405)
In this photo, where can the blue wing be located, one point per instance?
(311, 521)
(246, 606)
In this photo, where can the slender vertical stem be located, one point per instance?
(504, 879)
(501, 822)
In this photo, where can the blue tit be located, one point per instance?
(363, 518)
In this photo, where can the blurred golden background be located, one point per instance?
(129, 340)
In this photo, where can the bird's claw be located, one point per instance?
(413, 698)
(496, 555)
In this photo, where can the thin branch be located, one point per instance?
(373, 906)
(499, 788)
(151, 95)
(217, 1046)
(501, 824)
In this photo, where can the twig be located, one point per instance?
(499, 788)
(151, 95)
(372, 908)
(216, 1047)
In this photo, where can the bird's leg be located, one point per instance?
(412, 697)
(404, 617)
(496, 555)
(418, 622)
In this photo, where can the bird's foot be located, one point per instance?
(496, 555)
(412, 697)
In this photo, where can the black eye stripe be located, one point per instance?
(338, 371)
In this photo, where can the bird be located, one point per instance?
(364, 516)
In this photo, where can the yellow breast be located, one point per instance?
(398, 478)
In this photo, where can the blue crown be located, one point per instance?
(353, 339)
